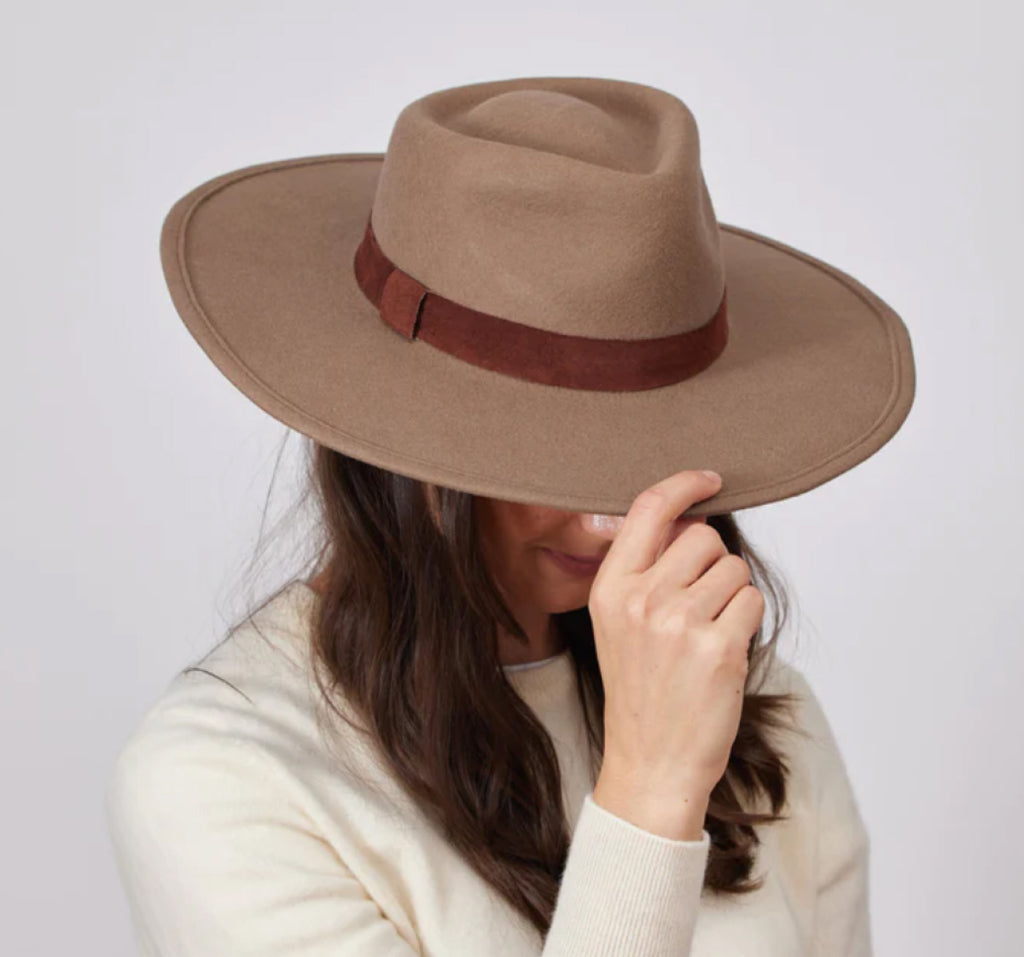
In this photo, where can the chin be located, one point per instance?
(566, 597)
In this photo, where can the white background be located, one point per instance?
(887, 138)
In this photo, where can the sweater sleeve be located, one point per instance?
(842, 923)
(216, 857)
(625, 890)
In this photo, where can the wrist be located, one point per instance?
(678, 815)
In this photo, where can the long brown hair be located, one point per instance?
(406, 631)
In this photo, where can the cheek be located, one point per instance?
(525, 566)
(517, 533)
(531, 519)
(524, 529)
(543, 526)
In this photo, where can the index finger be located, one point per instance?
(635, 547)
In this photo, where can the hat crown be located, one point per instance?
(572, 205)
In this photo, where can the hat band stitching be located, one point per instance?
(525, 352)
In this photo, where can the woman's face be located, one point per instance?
(519, 541)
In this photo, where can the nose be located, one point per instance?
(607, 526)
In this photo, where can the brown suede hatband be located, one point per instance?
(537, 355)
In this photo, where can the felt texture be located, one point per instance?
(571, 206)
(536, 355)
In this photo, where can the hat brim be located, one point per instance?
(817, 375)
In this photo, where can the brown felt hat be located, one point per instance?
(529, 297)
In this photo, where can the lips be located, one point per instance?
(575, 564)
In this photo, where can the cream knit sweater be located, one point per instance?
(238, 829)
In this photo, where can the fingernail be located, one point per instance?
(712, 475)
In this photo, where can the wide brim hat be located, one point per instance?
(528, 297)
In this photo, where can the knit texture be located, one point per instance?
(245, 822)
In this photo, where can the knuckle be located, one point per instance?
(601, 599)
(705, 535)
(669, 625)
(708, 641)
(754, 595)
(720, 651)
(636, 604)
(682, 617)
(650, 498)
(738, 564)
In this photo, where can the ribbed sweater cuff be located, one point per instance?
(625, 890)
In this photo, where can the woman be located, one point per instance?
(455, 739)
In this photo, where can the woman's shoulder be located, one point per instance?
(245, 726)
(819, 778)
(261, 665)
(808, 718)
(264, 655)
(252, 692)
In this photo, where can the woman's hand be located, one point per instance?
(673, 614)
